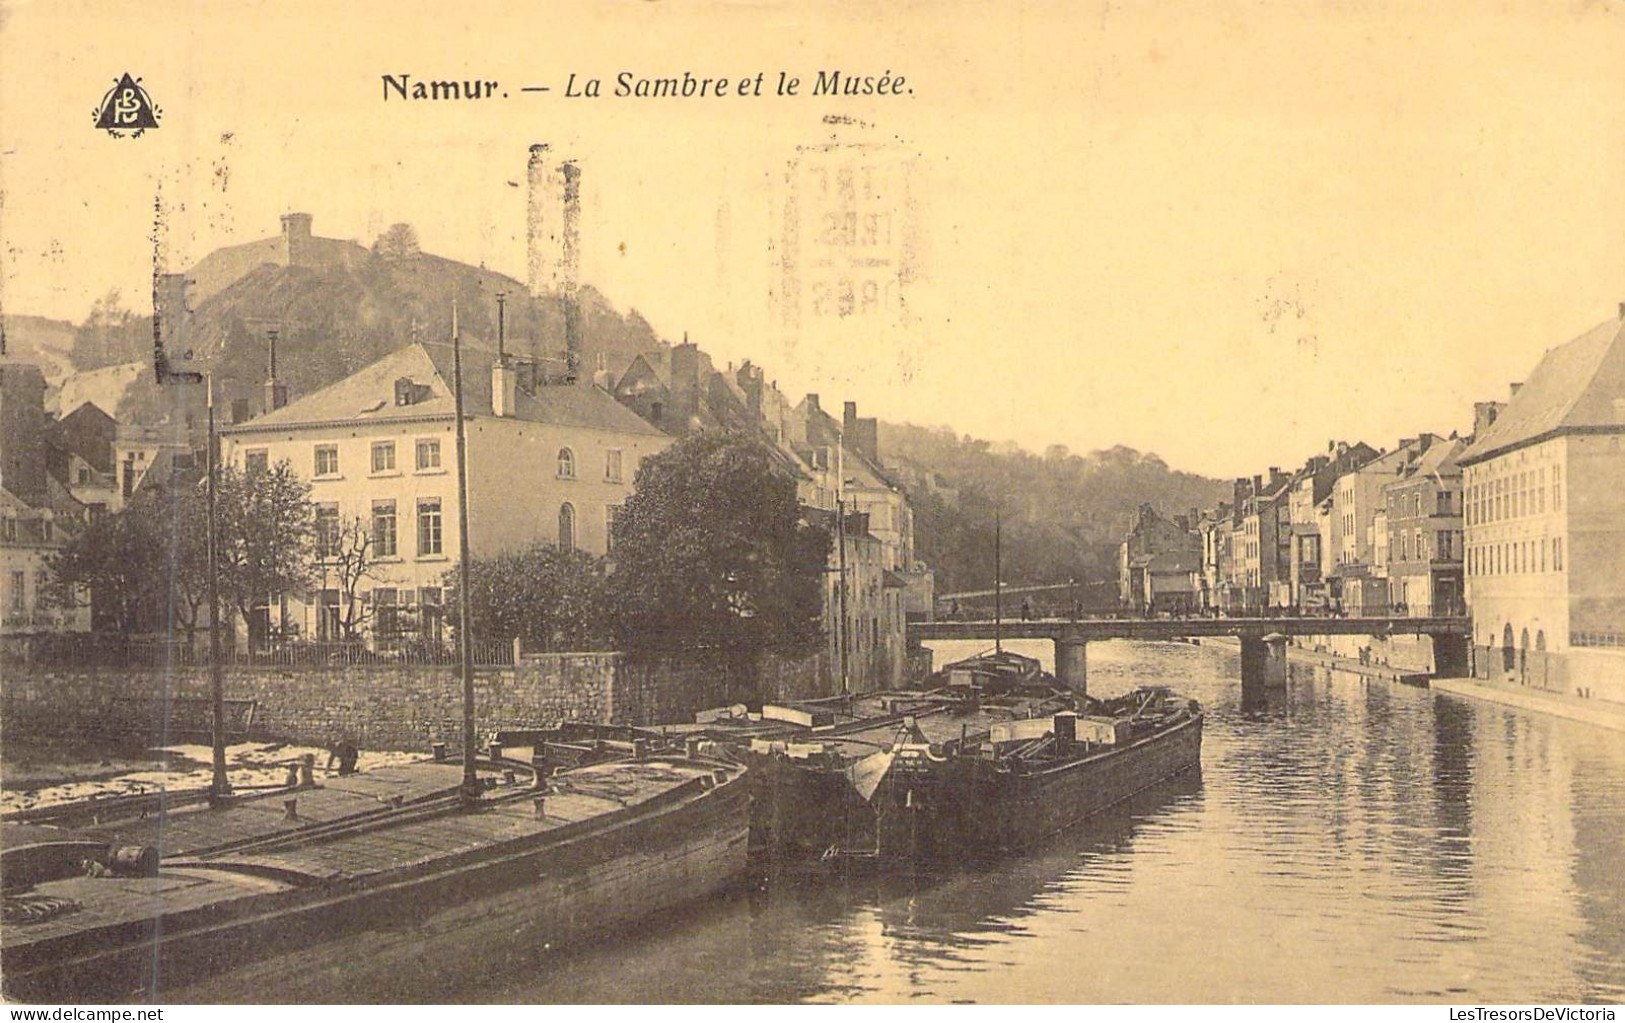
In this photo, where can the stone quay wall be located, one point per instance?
(388, 707)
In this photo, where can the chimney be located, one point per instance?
(1622, 310)
(276, 395)
(1513, 390)
(812, 403)
(553, 229)
(849, 417)
(1484, 416)
(502, 326)
(504, 388)
(296, 239)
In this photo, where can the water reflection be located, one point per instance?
(1350, 840)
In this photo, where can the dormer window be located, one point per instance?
(410, 392)
(567, 464)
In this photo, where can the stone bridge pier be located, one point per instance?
(1263, 663)
(1072, 664)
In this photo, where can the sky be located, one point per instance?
(1226, 234)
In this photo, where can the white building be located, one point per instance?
(545, 463)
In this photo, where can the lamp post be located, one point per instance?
(219, 786)
(470, 788)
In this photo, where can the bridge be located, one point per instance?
(1263, 640)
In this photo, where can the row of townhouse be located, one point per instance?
(1520, 524)
(554, 461)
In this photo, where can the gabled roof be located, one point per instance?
(368, 396)
(1577, 386)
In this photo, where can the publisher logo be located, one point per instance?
(127, 111)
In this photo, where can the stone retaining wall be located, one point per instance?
(392, 706)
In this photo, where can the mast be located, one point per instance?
(840, 541)
(998, 582)
(471, 783)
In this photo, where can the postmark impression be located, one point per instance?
(848, 251)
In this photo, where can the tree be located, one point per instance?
(550, 599)
(145, 567)
(265, 526)
(398, 242)
(348, 557)
(711, 550)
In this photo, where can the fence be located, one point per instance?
(109, 651)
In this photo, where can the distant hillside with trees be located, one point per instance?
(1064, 513)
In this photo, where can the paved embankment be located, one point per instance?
(1601, 713)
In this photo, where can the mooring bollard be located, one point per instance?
(307, 769)
(290, 809)
(540, 802)
(439, 750)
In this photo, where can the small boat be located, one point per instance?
(97, 913)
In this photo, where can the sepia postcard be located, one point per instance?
(751, 503)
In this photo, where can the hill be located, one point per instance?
(1063, 514)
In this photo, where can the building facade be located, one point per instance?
(549, 464)
(1544, 517)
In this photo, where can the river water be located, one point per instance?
(1351, 841)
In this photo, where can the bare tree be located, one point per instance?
(349, 557)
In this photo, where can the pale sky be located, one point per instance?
(1223, 233)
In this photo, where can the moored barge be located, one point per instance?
(97, 914)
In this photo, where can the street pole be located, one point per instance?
(471, 782)
(219, 786)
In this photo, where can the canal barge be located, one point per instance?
(994, 757)
(97, 913)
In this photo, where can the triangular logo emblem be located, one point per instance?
(127, 108)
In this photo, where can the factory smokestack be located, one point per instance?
(554, 231)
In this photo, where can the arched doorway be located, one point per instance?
(1523, 657)
(1509, 656)
(567, 527)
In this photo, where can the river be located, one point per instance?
(1352, 841)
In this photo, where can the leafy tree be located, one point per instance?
(550, 599)
(398, 242)
(111, 334)
(712, 551)
(265, 527)
(145, 566)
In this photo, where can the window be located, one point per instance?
(383, 528)
(84, 476)
(612, 465)
(327, 459)
(567, 464)
(430, 539)
(327, 530)
(257, 460)
(567, 527)
(46, 529)
(8, 529)
(1557, 554)
(433, 615)
(611, 512)
(386, 620)
(383, 456)
(1557, 488)
(19, 597)
(428, 453)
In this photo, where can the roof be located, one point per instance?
(1577, 386)
(368, 395)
